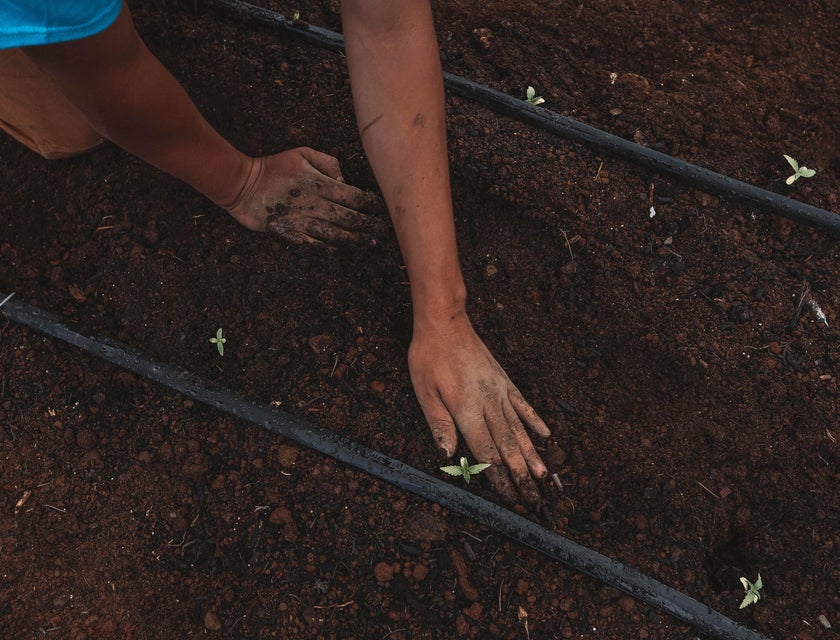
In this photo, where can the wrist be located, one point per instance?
(440, 309)
(239, 182)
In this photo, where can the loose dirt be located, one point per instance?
(679, 360)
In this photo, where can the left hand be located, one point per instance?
(301, 196)
(459, 384)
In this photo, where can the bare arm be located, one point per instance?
(398, 93)
(131, 99)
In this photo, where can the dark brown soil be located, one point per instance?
(701, 445)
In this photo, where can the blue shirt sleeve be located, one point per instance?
(33, 22)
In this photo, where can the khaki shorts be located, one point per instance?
(36, 113)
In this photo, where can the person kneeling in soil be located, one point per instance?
(75, 73)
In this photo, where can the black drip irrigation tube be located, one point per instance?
(700, 177)
(407, 478)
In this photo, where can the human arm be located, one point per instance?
(130, 98)
(398, 95)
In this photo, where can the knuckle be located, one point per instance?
(508, 444)
(439, 426)
(517, 428)
(490, 454)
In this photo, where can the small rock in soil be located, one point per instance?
(377, 386)
(86, 440)
(420, 572)
(287, 455)
(426, 526)
(462, 627)
(555, 456)
(474, 611)
(383, 572)
(281, 515)
(212, 622)
(461, 570)
(626, 603)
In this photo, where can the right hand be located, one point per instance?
(460, 385)
(301, 196)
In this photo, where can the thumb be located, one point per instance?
(322, 162)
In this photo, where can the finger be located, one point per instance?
(320, 221)
(295, 237)
(323, 163)
(481, 444)
(283, 226)
(526, 447)
(527, 413)
(499, 478)
(314, 231)
(508, 447)
(441, 425)
(351, 220)
(335, 190)
(328, 233)
(351, 197)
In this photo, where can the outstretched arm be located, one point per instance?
(131, 99)
(397, 87)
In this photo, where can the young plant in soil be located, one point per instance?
(531, 96)
(465, 469)
(219, 341)
(751, 591)
(799, 172)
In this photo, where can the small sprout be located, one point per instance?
(296, 16)
(219, 341)
(799, 172)
(751, 590)
(531, 96)
(465, 469)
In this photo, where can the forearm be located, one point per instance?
(398, 94)
(130, 98)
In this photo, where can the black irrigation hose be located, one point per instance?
(699, 177)
(401, 475)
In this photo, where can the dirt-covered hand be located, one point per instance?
(459, 383)
(300, 195)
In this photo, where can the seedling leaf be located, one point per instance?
(531, 96)
(752, 589)
(219, 341)
(798, 172)
(793, 163)
(453, 470)
(465, 469)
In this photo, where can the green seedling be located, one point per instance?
(751, 591)
(799, 172)
(465, 469)
(531, 96)
(219, 341)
